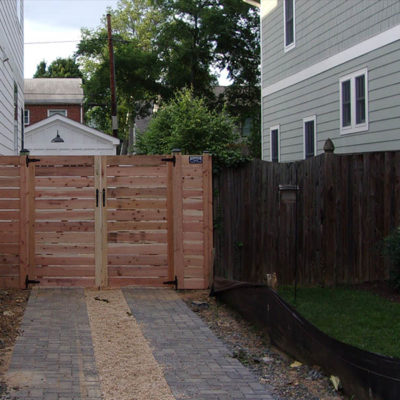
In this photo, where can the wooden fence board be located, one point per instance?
(346, 205)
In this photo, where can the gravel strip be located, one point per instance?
(127, 368)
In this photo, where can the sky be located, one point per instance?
(49, 21)
(58, 21)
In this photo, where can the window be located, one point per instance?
(274, 143)
(50, 113)
(16, 118)
(27, 117)
(354, 102)
(310, 136)
(289, 23)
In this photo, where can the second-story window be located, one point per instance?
(289, 23)
(27, 117)
(309, 131)
(56, 112)
(354, 102)
(274, 143)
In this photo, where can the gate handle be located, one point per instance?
(97, 197)
(104, 197)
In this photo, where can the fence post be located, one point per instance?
(177, 196)
(328, 275)
(24, 221)
(100, 180)
(207, 219)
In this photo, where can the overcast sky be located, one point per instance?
(49, 21)
(56, 21)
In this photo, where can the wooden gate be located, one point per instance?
(99, 221)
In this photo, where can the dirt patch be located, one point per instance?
(253, 349)
(124, 360)
(12, 307)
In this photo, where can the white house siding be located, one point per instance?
(11, 70)
(319, 96)
(78, 139)
(323, 28)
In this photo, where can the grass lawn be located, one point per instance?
(356, 317)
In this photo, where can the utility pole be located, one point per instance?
(114, 118)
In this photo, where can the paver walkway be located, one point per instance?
(53, 357)
(197, 365)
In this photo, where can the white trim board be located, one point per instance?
(374, 43)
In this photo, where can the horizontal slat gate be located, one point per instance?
(137, 228)
(98, 221)
(64, 221)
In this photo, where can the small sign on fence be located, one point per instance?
(195, 159)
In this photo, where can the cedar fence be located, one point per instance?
(346, 205)
(106, 221)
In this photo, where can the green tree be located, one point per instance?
(59, 68)
(176, 44)
(137, 73)
(185, 122)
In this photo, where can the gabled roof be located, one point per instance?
(53, 91)
(67, 121)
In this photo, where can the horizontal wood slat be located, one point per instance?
(137, 215)
(136, 171)
(135, 182)
(64, 182)
(64, 215)
(146, 192)
(9, 171)
(47, 204)
(73, 226)
(157, 236)
(64, 171)
(9, 193)
(63, 161)
(44, 260)
(155, 260)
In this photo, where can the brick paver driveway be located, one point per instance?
(54, 359)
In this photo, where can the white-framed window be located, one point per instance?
(50, 113)
(275, 150)
(27, 117)
(354, 102)
(310, 136)
(289, 24)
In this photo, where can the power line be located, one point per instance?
(56, 41)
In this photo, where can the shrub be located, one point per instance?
(186, 123)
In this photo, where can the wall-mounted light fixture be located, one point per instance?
(57, 139)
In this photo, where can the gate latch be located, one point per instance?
(29, 160)
(174, 282)
(171, 159)
(28, 281)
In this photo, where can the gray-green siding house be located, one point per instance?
(330, 69)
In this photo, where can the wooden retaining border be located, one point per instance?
(364, 375)
(106, 221)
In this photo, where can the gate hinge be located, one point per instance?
(174, 282)
(171, 159)
(28, 281)
(29, 160)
